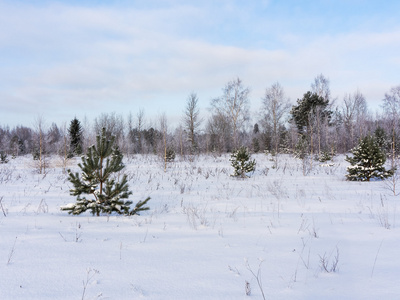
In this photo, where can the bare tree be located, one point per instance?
(233, 105)
(354, 112)
(135, 131)
(5, 139)
(275, 106)
(320, 86)
(114, 125)
(140, 123)
(164, 131)
(21, 141)
(192, 120)
(179, 135)
(88, 136)
(391, 106)
(40, 147)
(64, 151)
(131, 134)
(219, 134)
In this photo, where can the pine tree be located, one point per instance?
(75, 135)
(367, 161)
(98, 168)
(310, 106)
(240, 161)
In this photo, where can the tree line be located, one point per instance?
(315, 125)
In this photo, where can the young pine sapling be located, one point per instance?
(98, 179)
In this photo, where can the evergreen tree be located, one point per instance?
(240, 161)
(169, 154)
(75, 135)
(3, 158)
(256, 145)
(381, 138)
(98, 167)
(309, 107)
(367, 161)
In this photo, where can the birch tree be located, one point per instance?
(354, 112)
(320, 87)
(40, 151)
(391, 106)
(275, 106)
(233, 105)
(164, 131)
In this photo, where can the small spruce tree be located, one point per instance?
(98, 168)
(75, 136)
(241, 163)
(169, 155)
(367, 161)
(3, 158)
(256, 145)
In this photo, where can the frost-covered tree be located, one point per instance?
(367, 162)
(241, 163)
(98, 180)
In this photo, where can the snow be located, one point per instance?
(205, 234)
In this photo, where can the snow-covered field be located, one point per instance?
(207, 235)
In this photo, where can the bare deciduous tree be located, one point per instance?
(320, 86)
(275, 106)
(192, 120)
(140, 123)
(219, 134)
(354, 112)
(233, 105)
(164, 131)
(114, 125)
(391, 106)
(40, 153)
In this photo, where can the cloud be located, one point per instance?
(62, 57)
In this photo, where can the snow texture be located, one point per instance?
(311, 237)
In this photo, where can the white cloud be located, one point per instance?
(105, 58)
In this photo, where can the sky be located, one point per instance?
(66, 59)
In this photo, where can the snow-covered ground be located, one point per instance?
(207, 235)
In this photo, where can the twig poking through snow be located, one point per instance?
(376, 257)
(12, 251)
(90, 273)
(2, 208)
(257, 276)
